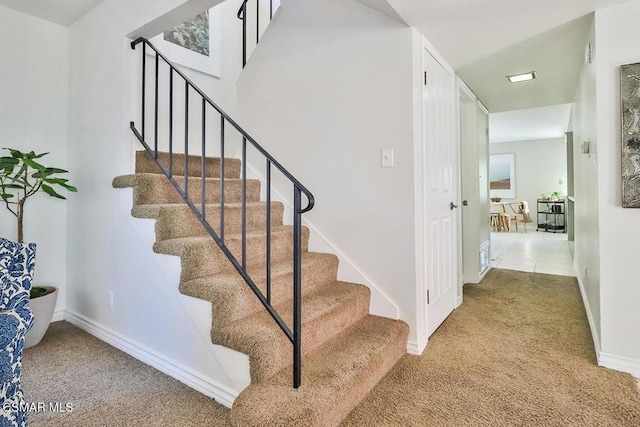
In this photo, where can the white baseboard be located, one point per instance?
(587, 309)
(415, 348)
(57, 316)
(207, 386)
(607, 360)
(620, 363)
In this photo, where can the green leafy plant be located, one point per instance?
(21, 177)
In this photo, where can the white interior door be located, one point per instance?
(440, 186)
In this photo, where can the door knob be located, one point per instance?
(453, 206)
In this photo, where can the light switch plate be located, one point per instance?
(387, 157)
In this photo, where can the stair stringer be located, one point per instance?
(380, 304)
(233, 363)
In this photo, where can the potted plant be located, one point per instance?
(21, 177)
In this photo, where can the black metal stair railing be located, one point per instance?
(242, 15)
(295, 335)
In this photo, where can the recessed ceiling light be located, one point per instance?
(517, 78)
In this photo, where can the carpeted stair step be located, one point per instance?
(346, 351)
(335, 378)
(232, 299)
(325, 312)
(201, 256)
(173, 220)
(146, 164)
(151, 189)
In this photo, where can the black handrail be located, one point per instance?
(294, 336)
(242, 15)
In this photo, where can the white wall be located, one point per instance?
(340, 75)
(616, 36)
(106, 251)
(221, 89)
(586, 217)
(33, 116)
(540, 166)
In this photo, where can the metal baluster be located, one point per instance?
(294, 333)
(222, 179)
(244, 34)
(186, 139)
(155, 108)
(170, 121)
(269, 231)
(144, 84)
(297, 288)
(270, 9)
(202, 158)
(257, 21)
(244, 203)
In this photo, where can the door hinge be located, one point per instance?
(425, 78)
(427, 296)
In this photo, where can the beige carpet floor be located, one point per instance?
(518, 352)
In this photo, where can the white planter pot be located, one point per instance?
(42, 308)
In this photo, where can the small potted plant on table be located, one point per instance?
(21, 177)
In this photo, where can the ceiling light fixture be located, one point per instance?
(517, 78)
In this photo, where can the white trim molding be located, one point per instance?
(58, 316)
(207, 386)
(415, 348)
(587, 309)
(620, 363)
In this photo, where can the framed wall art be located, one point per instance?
(630, 120)
(502, 176)
(195, 43)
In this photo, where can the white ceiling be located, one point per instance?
(486, 40)
(529, 124)
(63, 12)
(557, 57)
(465, 31)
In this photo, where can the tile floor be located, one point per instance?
(533, 251)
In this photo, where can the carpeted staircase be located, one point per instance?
(346, 351)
